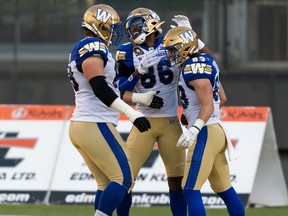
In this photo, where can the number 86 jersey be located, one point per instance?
(159, 77)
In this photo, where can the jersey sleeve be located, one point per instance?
(124, 58)
(91, 47)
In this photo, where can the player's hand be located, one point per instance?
(188, 137)
(139, 120)
(134, 116)
(147, 61)
(148, 99)
(181, 21)
(142, 124)
(157, 102)
(183, 120)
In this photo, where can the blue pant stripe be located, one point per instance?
(197, 158)
(118, 152)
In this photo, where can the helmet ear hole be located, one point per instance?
(101, 27)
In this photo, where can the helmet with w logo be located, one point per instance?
(180, 43)
(103, 21)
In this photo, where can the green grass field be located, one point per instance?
(81, 210)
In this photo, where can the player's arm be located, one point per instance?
(128, 78)
(222, 95)
(204, 93)
(127, 83)
(93, 69)
(204, 49)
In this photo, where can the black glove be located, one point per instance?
(184, 120)
(157, 102)
(142, 124)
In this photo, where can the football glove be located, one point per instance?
(147, 61)
(137, 118)
(157, 102)
(189, 136)
(181, 21)
(183, 120)
(148, 99)
(142, 124)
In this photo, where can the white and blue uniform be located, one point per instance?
(206, 157)
(165, 126)
(88, 107)
(201, 67)
(92, 128)
(159, 78)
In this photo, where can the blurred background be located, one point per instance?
(248, 37)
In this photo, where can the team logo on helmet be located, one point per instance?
(104, 22)
(180, 43)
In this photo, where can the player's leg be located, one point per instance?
(140, 146)
(220, 183)
(174, 161)
(101, 179)
(122, 157)
(199, 165)
(220, 180)
(233, 202)
(196, 172)
(124, 206)
(105, 147)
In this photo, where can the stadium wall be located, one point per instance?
(38, 164)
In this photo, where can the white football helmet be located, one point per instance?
(140, 23)
(103, 21)
(180, 43)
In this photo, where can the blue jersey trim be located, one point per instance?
(80, 44)
(128, 49)
(128, 84)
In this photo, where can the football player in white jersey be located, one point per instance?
(92, 131)
(205, 137)
(143, 28)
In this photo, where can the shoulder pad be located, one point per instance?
(93, 46)
(124, 52)
(197, 67)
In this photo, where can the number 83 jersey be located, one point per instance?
(201, 67)
(159, 77)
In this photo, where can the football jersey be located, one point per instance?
(90, 108)
(201, 67)
(159, 78)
